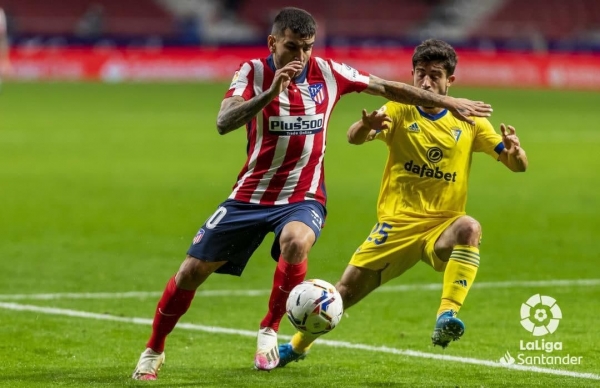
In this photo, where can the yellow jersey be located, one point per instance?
(427, 170)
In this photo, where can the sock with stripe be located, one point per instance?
(458, 277)
(172, 305)
(287, 276)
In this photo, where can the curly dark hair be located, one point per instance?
(297, 20)
(435, 50)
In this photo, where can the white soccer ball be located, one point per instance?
(314, 306)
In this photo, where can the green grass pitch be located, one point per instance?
(102, 188)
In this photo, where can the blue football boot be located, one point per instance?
(448, 328)
(287, 355)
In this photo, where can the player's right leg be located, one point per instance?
(234, 232)
(355, 284)
(175, 301)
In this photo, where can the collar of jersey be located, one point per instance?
(300, 79)
(433, 117)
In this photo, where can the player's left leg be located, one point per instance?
(297, 228)
(458, 246)
(295, 241)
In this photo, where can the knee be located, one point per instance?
(468, 231)
(294, 247)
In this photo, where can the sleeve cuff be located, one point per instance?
(498, 149)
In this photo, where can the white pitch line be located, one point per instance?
(126, 295)
(507, 284)
(216, 293)
(336, 344)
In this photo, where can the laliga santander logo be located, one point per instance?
(540, 315)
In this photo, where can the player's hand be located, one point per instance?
(463, 109)
(377, 120)
(284, 76)
(510, 139)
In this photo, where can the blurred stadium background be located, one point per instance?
(557, 41)
(110, 161)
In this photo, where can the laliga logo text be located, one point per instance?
(540, 315)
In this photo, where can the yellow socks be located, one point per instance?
(301, 342)
(459, 276)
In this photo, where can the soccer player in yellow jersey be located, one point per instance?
(421, 207)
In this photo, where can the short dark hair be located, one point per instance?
(435, 50)
(297, 20)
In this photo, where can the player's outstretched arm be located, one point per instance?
(512, 156)
(366, 128)
(235, 111)
(462, 108)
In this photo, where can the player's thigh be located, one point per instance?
(391, 248)
(297, 227)
(232, 234)
(439, 244)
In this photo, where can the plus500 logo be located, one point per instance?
(296, 125)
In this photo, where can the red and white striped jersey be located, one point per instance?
(286, 140)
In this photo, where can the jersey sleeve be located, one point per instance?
(396, 112)
(348, 78)
(487, 139)
(242, 82)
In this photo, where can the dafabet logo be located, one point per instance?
(540, 316)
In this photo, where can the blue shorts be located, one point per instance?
(234, 231)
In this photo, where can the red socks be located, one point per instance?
(176, 301)
(173, 304)
(287, 276)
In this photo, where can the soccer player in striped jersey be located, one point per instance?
(285, 101)
(4, 47)
(421, 207)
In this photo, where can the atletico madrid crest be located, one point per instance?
(317, 92)
(199, 236)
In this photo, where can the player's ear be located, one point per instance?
(451, 79)
(271, 39)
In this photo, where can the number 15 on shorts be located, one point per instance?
(379, 233)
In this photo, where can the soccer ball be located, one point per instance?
(314, 306)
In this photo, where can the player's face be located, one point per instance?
(432, 76)
(290, 47)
